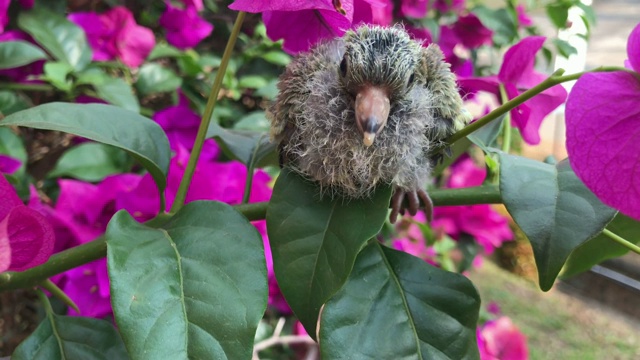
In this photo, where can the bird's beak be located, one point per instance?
(372, 111)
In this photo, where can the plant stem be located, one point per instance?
(58, 263)
(26, 87)
(622, 241)
(206, 117)
(553, 80)
(54, 329)
(506, 123)
(57, 292)
(253, 211)
(97, 249)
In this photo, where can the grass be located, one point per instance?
(558, 326)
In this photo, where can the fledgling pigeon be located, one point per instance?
(367, 109)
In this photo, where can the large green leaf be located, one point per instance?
(72, 337)
(553, 208)
(248, 147)
(18, 53)
(153, 78)
(11, 102)
(62, 38)
(118, 92)
(601, 247)
(195, 288)
(141, 137)
(396, 306)
(314, 240)
(90, 162)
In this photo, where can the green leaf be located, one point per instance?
(72, 337)
(11, 101)
(57, 73)
(90, 162)
(314, 240)
(245, 146)
(553, 208)
(505, 28)
(18, 53)
(269, 91)
(255, 121)
(143, 138)
(457, 149)
(195, 288)
(118, 92)
(154, 78)
(62, 38)
(164, 50)
(12, 145)
(252, 81)
(277, 57)
(601, 247)
(558, 13)
(396, 306)
(487, 136)
(564, 48)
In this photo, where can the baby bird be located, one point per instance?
(364, 110)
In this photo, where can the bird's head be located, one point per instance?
(378, 69)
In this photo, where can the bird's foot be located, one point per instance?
(413, 198)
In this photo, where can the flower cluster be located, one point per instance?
(488, 227)
(602, 132)
(83, 210)
(26, 236)
(517, 75)
(116, 35)
(500, 339)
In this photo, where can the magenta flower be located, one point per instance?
(412, 240)
(372, 12)
(303, 24)
(450, 5)
(603, 137)
(81, 215)
(196, 4)
(180, 123)
(517, 75)
(523, 19)
(380, 15)
(27, 4)
(26, 237)
(8, 164)
(4, 17)
(449, 44)
(185, 29)
(488, 227)
(116, 35)
(414, 8)
(500, 339)
(88, 287)
(420, 34)
(471, 32)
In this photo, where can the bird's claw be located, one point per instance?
(413, 201)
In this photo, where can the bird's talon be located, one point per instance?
(396, 205)
(414, 203)
(414, 198)
(428, 204)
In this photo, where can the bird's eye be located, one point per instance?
(411, 78)
(343, 66)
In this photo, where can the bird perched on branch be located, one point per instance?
(364, 110)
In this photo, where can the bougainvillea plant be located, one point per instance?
(166, 212)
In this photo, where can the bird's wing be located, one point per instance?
(295, 87)
(441, 83)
